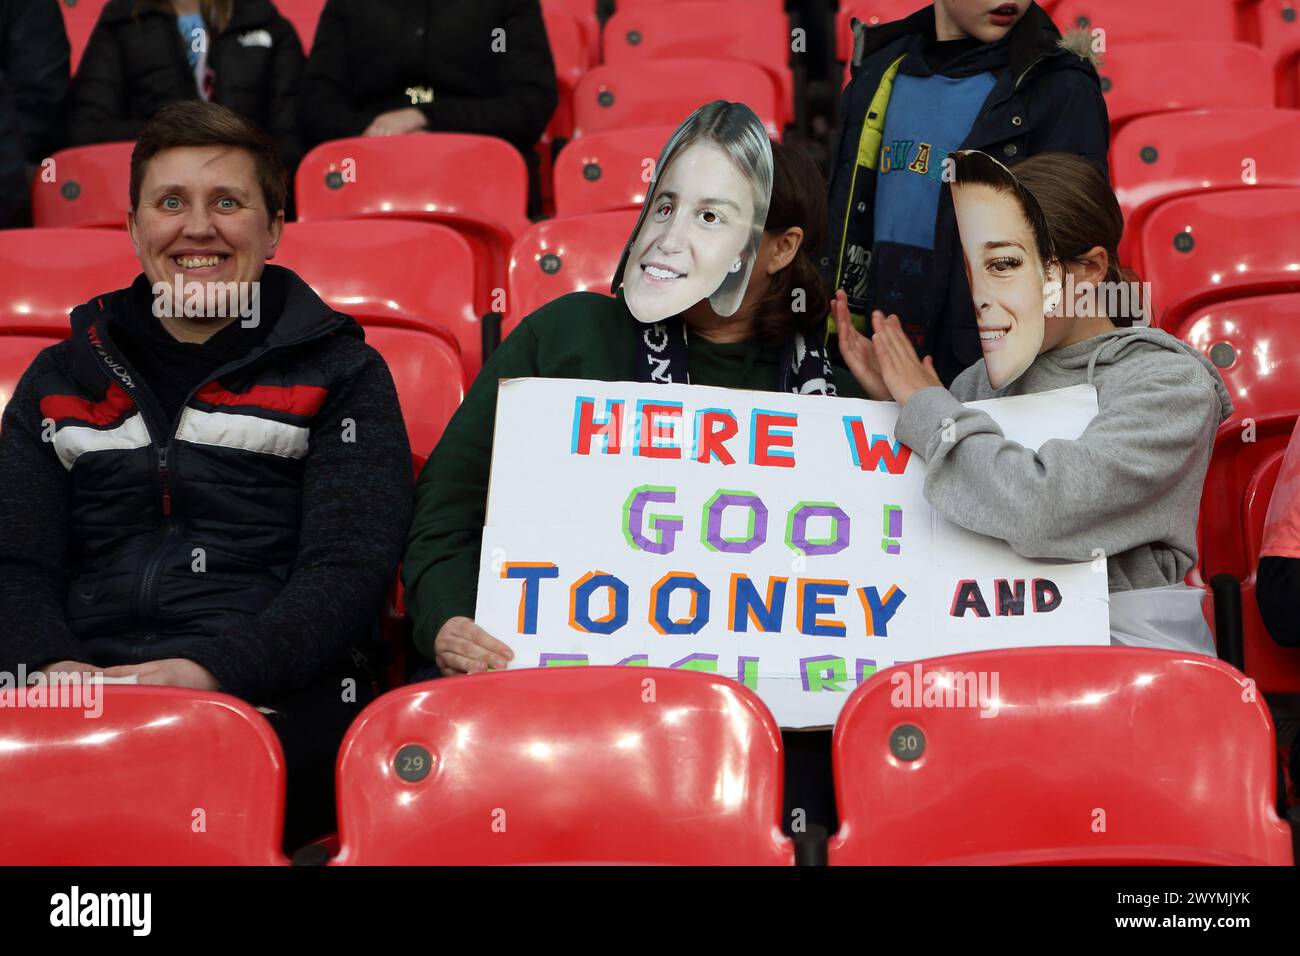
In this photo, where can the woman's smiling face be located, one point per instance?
(1007, 279)
(698, 227)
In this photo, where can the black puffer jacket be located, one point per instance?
(136, 64)
(256, 535)
(486, 64)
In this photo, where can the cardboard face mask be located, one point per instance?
(700, 228)
(1008, 277)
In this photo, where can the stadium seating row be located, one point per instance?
(1095, 757)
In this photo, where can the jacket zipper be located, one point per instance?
(152, 571)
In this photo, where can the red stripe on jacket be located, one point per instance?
(302, 400)
(115, 404)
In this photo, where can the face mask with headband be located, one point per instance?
(1015, 278)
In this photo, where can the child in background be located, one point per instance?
(1130, 485)
(991, 75)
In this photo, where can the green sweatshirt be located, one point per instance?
(583, 335)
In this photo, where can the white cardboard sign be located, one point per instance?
(781, 540)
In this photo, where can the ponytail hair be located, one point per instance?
(1082, 213)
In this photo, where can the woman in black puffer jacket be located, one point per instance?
(145, 54)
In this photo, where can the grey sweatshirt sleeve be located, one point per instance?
(1134, 473)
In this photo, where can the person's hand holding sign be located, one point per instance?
(462, 647)
(904, 374)
(858, 352)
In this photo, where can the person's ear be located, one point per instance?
(1052, 290)
(277, 231)
(1096, 265)
(784, 249)
(131, 230)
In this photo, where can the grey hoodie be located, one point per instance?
(1130, 484)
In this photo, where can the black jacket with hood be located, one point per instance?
(136, 63)
(257, 534)
(1046, 98)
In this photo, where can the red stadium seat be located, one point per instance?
(427, 373)
(1127, 22)
(1276, 669)
(1278, 27)
(870, 12)
(706, 30)
(584, 12)
(607, 171)
(666, 91)
(559, 256)
(79, 19)
(304, 15)
(478, 185)
(570, 56)
(564, 765)
(162, 777)
(1158, 157)
(1255, 344)
(1096, 756)
(16, 354)
(391, 272)
(1156, 77)
(1210, 247)
(569, 53)
(90, 187)
(40, 289)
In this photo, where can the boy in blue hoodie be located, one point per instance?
(991, 75)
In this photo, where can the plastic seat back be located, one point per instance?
(584, 14)
(16, 354)
(477, 185)
(1158, 76)
(706, 30)
(427, 373)
(570, 55)
(559, 256)
(393, 272)
(605, 171)
(564, 765)
(1126, 22)
(304, 15)
(1101, 755)
(40, 288)
(89, 186)
(1160, 157)
(79, 19)
(665, 92)
(1275, 669)
(1276, 26)
(138, 776)
(1254, 344)
(1206, 248)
